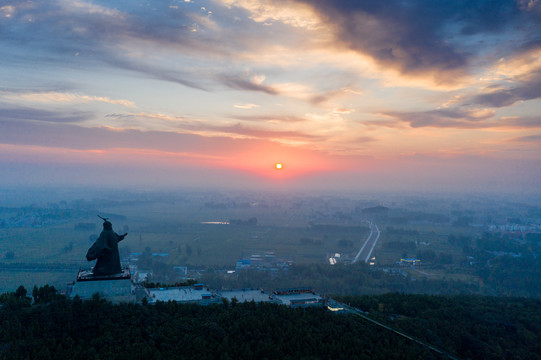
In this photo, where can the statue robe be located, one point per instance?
(105, 249)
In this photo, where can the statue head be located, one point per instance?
(107, 225)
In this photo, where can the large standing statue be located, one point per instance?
(105, 249)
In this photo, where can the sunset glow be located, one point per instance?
(349, 93)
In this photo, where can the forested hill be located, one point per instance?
(472, 327)
(465, 326)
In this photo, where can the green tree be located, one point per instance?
(44, 294)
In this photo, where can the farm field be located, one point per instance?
(215, 230)
(185, 231)
(407, 241)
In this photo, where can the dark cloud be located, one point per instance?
(418, 35)
(28, 114)
(460, 119)
(57, 33)
(522, 122)
(412, 36)
(528, 139)
(527, 89)
(324, 97)
(156, 72)
(237, 82)
(62, 27)
(439, 118)
(53, 30)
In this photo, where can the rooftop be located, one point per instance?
(243, 295)
(300, 299)
(181, 294)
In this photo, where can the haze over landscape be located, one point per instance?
(363, 95)
(275, 179)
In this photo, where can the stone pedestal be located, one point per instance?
(115, 288)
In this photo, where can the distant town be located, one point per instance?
(241, 240)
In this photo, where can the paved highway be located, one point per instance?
(368, 246)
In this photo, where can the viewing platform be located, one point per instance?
(115, 288)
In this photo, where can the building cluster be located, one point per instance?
(123, 289)
(334, 258)
(412, 262)
(514, 228)
(203, 295)
(29, 219)
(266, 261)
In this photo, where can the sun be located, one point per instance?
(279, 166)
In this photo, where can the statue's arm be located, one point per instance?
(121, 237)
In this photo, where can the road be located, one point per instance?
(368, 246)
(352, 310)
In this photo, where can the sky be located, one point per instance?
(354, 95)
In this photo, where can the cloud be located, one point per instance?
(364, 139)
(418, 36)
(157, 41)
(441, 118)
(237, 82)
(234, 146)
(530, 5)
(266, 11)
(300, 91)
(327, 96)
(263, 133)
(61, 26)
(460, 119)
(525, 122)
(536, 139)
(343, 111)
(413, 36)
(7, 11)
(78, 6)
(207, 129)
(245, 106)
(156, 72)
(59, 97)
(525, 89)
(132, 37)
(22, 115)
(71, 136)
(271, 118)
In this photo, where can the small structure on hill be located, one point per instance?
(198, 294)
(409, 262)
(298, 297)
(246, 295)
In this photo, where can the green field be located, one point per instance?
(178, 230)
(392, 246)
(305, 229)
(218, 244)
